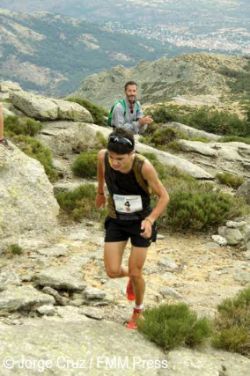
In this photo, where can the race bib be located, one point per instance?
(127, 204)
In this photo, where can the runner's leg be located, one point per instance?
(113, 252)
(136, 261)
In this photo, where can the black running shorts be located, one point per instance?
(117, 230)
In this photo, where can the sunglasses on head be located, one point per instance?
(120, 140)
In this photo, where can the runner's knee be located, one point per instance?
(135, 273)
(113, 273)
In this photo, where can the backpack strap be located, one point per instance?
(137, 167)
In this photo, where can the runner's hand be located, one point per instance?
(100, 201)
(146, 228)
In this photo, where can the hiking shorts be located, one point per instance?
(117, 230)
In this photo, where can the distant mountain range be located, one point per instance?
(195, 75)
(53, 53)
(217, 25)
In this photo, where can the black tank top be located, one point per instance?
(126, 184)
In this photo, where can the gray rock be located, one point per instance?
(65, 137)
(22, 298)
(191, 132)
(59, 278)
(168, 276)
(242, 276)
(171, 160)
(169, 291)
(247, 253)
(79, 347)
(39, 107)
(219, 239)
(93, 313)
(198, 147)
(246, 232)
(55, 251)
(186, 362)
(233, 224)
(92, 293)
(61, 300)
(232, 235)
(212, 245)
(47, 310)
(28, 205)
(244, 191)
(9, 86)
(9, 277)
(168, 264)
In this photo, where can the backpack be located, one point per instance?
(123, 103)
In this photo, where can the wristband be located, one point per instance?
(149, 220)
(99, 193)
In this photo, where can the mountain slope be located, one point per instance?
(192, 74)
(214, 25)
(52, 53)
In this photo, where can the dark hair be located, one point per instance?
(121, 141)
(129, 83)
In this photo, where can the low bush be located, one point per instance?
(207, 119)
(35, 149)
(85, 165)
(80, 203)
(164, 114)
(15, 249)
(218, 122)
(174, 325)
(14, 125)
(98, 113)
(246, 140)
(163, 136)
(232, 324)
(231, 180)
(199, 209)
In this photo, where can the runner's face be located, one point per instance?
(131, 93)
(120, 162)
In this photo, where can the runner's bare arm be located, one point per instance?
(100, 196)
(150, 175)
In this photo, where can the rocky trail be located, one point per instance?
(62, 285)
(59, 312)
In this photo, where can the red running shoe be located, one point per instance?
(137, 314)
(130, 290)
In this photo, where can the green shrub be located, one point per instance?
(174, 325)
(163, 114)
(231, 180)
(98, 113)
(246, 140)
(219, 122)
(199, 209)
(239, 81)
(85, 165)
(15, 249)
(232, 324)
(101, 140)
(210, 120)
(163, 136)
(80, 203)
(14, 125)
(35, 149)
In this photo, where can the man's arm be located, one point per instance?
(100, 195)
(150, 175)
